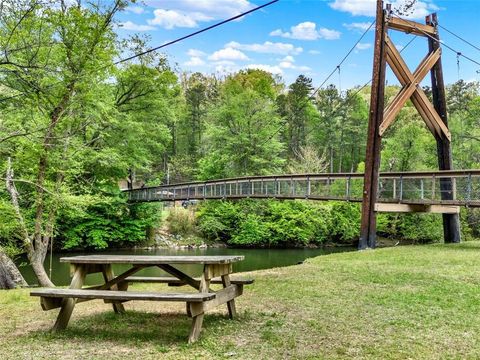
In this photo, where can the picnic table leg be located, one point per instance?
(198, 319)
(68, 304)
(232, 311)
(108, 275)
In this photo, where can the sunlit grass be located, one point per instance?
(418, 302)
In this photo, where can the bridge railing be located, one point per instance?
(460, 187)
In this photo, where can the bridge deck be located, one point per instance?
(416, 188)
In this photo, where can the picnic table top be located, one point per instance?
(151, 259)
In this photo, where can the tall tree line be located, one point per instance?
(73, 124)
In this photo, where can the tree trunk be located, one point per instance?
(37, 265)
(36, 253)
(10, 276)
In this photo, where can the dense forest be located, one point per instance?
(75, 121)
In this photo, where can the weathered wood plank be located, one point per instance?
(223, 296)
(121, 295)
(410, 27)
(408, 208)
(151, 259)
(196, 328)
(68, 304)
(215, 270)
(197, 320)
(54, 303)
(107, 272)
(177, 282)
(232, 310)
(181, 276)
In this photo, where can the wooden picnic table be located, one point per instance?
(216, 270)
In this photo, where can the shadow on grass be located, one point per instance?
(134, 328)
(463, 246)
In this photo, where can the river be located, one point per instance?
(255, 259)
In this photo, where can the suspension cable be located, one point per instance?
(459, 37)
(440, 42)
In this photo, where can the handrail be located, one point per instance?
(325, 176)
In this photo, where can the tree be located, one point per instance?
(297, 110)
(329, 105)
(60, 52)
(242, 135)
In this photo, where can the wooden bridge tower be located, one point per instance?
(434, 115)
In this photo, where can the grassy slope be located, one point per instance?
(406, 302)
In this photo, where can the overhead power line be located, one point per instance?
(163, 45)
(195, 33)
(337, 67)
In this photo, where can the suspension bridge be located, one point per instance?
(397, 191)
(443, 191)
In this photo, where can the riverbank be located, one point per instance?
(392, 303)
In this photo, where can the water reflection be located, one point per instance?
(255, 259)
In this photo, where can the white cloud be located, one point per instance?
(286, 65)
(307, 31)
(289, 58)
(228, 53)
(268, 68)
(363, 46)
(225, 62)
(359, 26)
(399, 47)
(367, 7)
(267, 48)
(215, 9)
(195, 53)
(128, 25)
(169, 19)
(289, 65)
(188, 13)
(135, 9)
(194, 61)
(314, 52)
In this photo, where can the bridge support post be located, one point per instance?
(451, 222)
(372, 158)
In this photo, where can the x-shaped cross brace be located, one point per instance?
(411, 90)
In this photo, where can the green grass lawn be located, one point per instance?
(412, 302)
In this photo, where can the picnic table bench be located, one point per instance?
(216, 270)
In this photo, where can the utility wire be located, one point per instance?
(164, 45)
(440, 42)
(341, 62)
(195, 33)
(349, 97)
(334, 112)
(459, 37)
(335, 69)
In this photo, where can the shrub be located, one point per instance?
(181, 221)
(345, 221)
(106, 221)
(274, 223)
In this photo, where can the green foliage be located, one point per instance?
(345, 221)
(181, 221)
(90, 124)
(242, 132)
(107, 222)
(273, 223)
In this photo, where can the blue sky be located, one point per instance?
(293, 37)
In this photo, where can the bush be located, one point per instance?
(274, 223)
(106, 222)
(181, 221)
